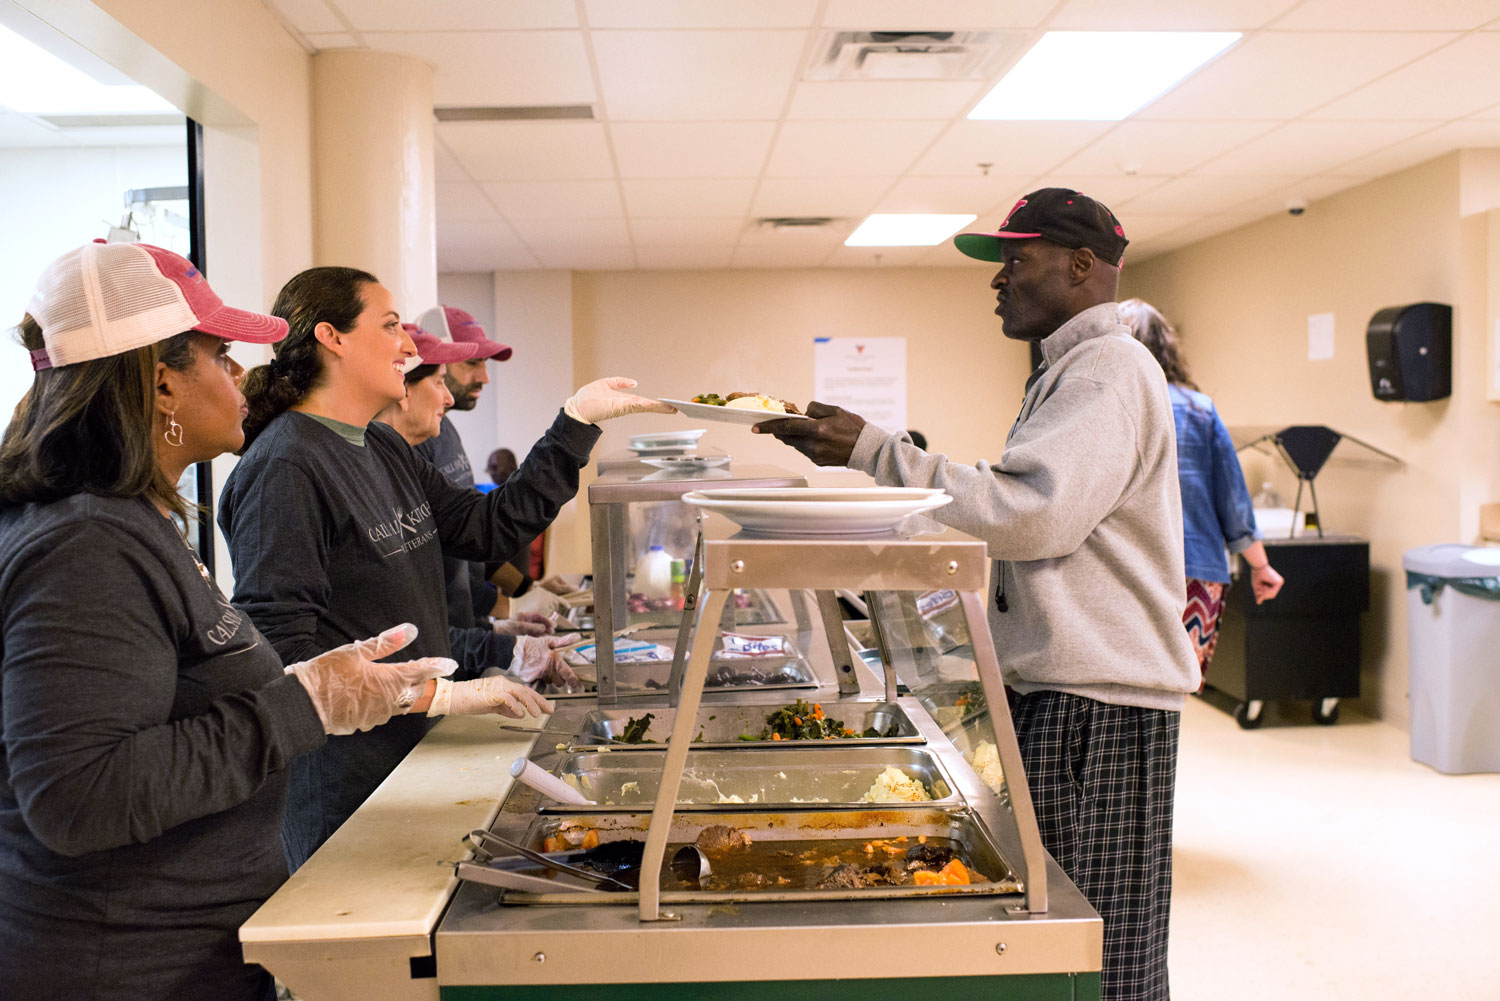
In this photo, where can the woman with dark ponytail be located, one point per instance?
(334, 522)
(146, 726)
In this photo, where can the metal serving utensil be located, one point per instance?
(484, 838)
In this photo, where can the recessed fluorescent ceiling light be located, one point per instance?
(1099, 76)
(891, 229)
(35, 82)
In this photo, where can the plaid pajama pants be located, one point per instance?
(1102, 779)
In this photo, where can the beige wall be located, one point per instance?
(1241, 302)
(682, 333)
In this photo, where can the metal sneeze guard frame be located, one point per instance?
(947, 559)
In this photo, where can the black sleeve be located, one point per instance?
(279, 544)
(482, 594)
(94, 759)
(492, 526)
(477, 649)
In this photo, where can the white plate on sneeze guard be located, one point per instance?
(727, 415)
(668, 439)
(819, 510)
(688, 461)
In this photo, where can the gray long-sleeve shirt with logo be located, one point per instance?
(333, 542)
(1083, 515)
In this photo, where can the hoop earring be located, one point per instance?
(174, 431)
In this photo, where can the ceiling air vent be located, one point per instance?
(516, 113)
(910, 55)
(793, 222)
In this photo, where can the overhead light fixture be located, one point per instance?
(35, 82)
(1099, 76)
(906, 229)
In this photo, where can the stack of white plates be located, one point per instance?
(659, 443)
(819, 510)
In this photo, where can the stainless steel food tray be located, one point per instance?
(785, 777)
(955, 825)
(721, 726)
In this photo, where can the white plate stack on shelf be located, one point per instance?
(819, 510)
(659, 444)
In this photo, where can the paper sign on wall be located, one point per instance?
(865, 375)
(1319, 336)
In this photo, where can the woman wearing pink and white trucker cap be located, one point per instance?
(334, 522)
(145, 726)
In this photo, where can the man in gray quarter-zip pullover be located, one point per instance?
(1083, 515)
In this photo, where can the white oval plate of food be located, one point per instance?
(819, 510)
(750, 409)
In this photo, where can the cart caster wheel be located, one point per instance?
(1326, 712)
(1249, 715)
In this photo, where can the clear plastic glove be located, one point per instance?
(487, 695)
(524, 624)
(537, 601)
(556, 585)
(601, 400)
(351, 692)
(536, 658)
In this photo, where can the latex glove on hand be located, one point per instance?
(537, 601)
(556, 585)
(601, 400)
(487, 695)
(352, 692)
(536, 659)
(524, 624)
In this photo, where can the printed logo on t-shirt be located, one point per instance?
(227, 627)
(453, 468)
(406, 531)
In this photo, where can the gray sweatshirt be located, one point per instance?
(1083, 514)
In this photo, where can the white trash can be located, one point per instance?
(1453, 630)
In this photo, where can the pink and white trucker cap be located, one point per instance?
(449, 323)
(107, 298)
(432, 351)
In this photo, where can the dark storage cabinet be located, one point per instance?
(1304, 644)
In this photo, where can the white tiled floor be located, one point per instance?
(1323, 863)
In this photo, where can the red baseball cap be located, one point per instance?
(449, 323)
(104, 299)
(432, 351)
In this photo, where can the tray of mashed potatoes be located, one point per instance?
(782, 778)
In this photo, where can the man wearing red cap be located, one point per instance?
(471, 596)
(1083, 516)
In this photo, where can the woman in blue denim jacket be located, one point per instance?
(1216, 511)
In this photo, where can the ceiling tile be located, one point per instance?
(758, 255)
(876, 257)
(946, 15)
(1167, 15)
(1489, 113)
(883, 100)
(1161, 147)
(710, 76)
(950, 194)
(1114, 190)
(1010, 147)
(560, 234)
(323, 41)
(684, 258)
(1254, 80)
(521, 151)
(309, 15)
(842, 197)
(556, 199)
(448, 167)
(480, 247)
(1148, 226)
(462, 202)
(697, 14)
(1455, 81)
(699, 232)
(499, 68)
(684, 149)
(1196, 195)
(20, 132)
(1388, 15)
(458, 15)
(688, 198)
(1473, 133)
(829, 149)
(601, 259)
(1311, 147)
(1308, 190)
